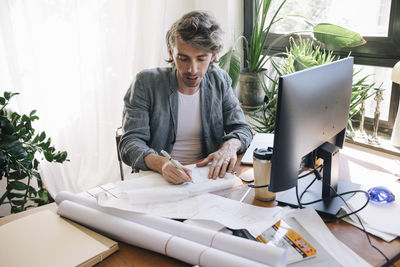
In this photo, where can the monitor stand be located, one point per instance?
(321, 189)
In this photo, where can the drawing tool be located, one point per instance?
(174, 162)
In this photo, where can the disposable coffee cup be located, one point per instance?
(262, 173)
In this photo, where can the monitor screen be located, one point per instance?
(312, 110)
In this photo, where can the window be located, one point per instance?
(378, 23)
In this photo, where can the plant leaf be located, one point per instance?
(18, 202)
(331, 34)
(303, 62)
(16, 175)
(14, 195)
(16, 185)
(49, 157)
(230, 62)
(42, 136)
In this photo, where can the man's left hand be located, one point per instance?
(223, 160)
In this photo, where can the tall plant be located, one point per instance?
(257, 50)
(255, 56)
(20, 147)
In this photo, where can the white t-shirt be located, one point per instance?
(187, 147)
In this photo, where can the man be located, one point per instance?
(188, 110)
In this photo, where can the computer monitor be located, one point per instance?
(311, 119)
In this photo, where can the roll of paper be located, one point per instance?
(252, 250)
(149, 238)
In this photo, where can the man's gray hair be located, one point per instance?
(198, 28)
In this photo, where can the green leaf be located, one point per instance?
(15, 175)
(18, 202)
(331, 34)
(230, 62)
(16, 185)
(32, 113)
(14, 195)
(32, 191)
(42, 136)
(49, 157)
(3, 197)
(61, 157)
(25, 118)
(35, 164)
(2, 100)
(7, 95)
(15, 209)
(22, 131)
(304, 62)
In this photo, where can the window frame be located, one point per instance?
(378, 51)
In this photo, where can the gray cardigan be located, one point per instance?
(151, 111)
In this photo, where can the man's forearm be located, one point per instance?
(233, 144)
(155, 162)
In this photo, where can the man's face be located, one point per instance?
(191, 64)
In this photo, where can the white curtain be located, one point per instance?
(73, 60)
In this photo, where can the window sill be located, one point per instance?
(384, 145)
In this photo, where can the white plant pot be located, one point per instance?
(396, 130)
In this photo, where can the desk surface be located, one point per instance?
(351, 236)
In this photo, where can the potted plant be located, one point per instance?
(251, 93)
(20, 146)
(303, 55)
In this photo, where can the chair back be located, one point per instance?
(118, 135)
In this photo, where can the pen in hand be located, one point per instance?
(176, 163)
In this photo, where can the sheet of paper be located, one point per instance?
(310, 220)
(260, 140)
(382, 217)
(385, 236)
(231, 213)
(44, 238)
(235, 214)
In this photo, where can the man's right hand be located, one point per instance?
(167, 169)
(174, 175)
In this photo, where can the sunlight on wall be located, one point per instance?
(74, 60)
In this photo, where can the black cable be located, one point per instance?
(257, 186)
(308, 173)
(363, 228)
(297, 188)
(301, 196)
(319, 177)
(353, 212)
(315, 170)
(298, 198)
(339, 195)
(318, 174)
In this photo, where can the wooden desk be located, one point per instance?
(351, 236)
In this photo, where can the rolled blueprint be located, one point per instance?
(252, 250)
(149, 238)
